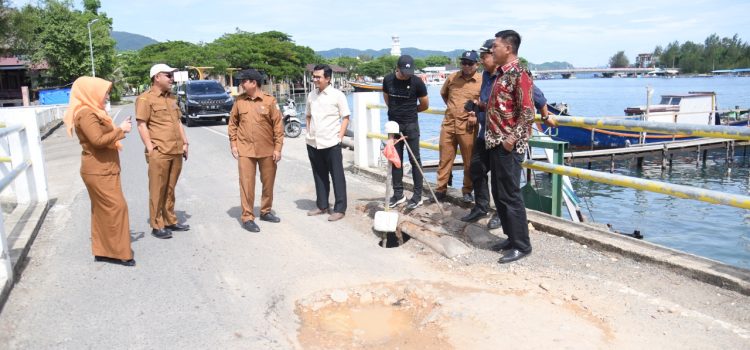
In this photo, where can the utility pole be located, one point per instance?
(91, 47)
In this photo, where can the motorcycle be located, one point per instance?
(292, 124)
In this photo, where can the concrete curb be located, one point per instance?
(695, 267)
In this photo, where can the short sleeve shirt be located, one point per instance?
(325, 108)
(162, 117)
(402, 97)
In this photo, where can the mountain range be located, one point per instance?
(411, 51)
(129, 41)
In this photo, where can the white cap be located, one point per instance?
(391, 127)
(161, 67)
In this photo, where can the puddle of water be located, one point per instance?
(374, 324)
(386, 319)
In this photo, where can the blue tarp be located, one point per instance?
(54, 96)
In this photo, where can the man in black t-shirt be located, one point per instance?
(401, 92)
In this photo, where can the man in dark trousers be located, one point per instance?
(510, 113)
(406, 96)
(479, 158)
(327, 115)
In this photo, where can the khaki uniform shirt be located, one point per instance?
(162, 117)
(255, 126)
(456, 91)
(97, 137)
(325, 108)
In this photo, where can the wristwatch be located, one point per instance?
(545, 118)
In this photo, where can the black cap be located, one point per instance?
(249, 74)
(470, 56)
(487, 46)
(406, 65)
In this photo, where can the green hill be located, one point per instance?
(129, 41)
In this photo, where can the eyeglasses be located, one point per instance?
(316, 78)
(467, 63)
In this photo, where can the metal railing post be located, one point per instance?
(366, 120)
(5, 259)
(558, 154)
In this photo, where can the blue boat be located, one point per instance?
(692, 108)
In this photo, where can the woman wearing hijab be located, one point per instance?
(100, 168)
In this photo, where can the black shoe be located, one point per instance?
(162, 233)
(269, 217)
(395, 201)
(440, 196)
(413, 204)
(501, 246)
(468, 198)
(178, 227)
(250, 226)
(494, 222)
(513, 255)
(130, 262)
(474, 215)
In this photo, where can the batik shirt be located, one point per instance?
(510, 109)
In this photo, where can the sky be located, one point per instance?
(584, 33)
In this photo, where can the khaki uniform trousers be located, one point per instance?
(247, 167)
(163, 172)
(448, 143)
(110, 225)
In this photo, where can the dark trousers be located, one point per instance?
(411, 131)
(324, 162)
(505, 178)
(480, 166)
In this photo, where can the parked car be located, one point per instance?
(204, 100)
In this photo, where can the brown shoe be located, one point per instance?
(317, 211)
(336, 217)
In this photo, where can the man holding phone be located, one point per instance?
(459, 127)
(166, 146)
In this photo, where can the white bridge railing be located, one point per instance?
(23, 180)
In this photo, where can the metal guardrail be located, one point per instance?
(680, 191)
(712, 131)
(22, 162)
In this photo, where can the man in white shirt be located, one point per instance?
(327, 118)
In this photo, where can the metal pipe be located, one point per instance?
(714, 131)
(5, 131)
(680, 191)
(13, 174)
(621, 124)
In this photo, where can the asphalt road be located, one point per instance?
(215, 285)
(219, 286)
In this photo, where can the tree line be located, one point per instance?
(690, 57)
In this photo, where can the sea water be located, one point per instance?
(714, 231)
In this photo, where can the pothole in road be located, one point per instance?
(371, 317)
(437, 315)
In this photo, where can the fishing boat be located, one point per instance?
(697, 108)
(366, 87)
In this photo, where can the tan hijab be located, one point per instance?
(88, 92)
